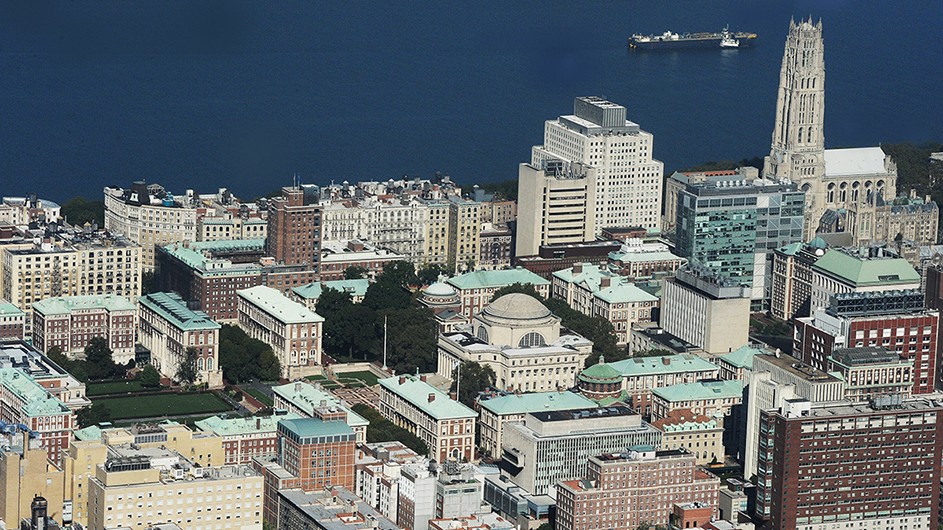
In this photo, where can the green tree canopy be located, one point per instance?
(470, 380)
(412, 337)
(99, 362)
(355, 272)
(387, 294)
(149, 377)
(517, 287)
(429, 273)
(596, 329)
(243, 358)
(381, 429)
(78, 211)
(186, 370)
(97, 413)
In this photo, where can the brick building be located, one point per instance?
(12, 322)
(629, 489)
(71, 322)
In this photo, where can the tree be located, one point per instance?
(381, 429)
(387, 294)
(270, 368)
(412, 340)
(78, 211)
(517, 287)
(331, 301)
(505, 189)
(351, 331)
(355, 272)
(148, 283)
(474, 378)
(429, 273)
(99, 361)
(149, 377)
(596, 329)
(402, 273)
(242, 358)
(95, 414)
(186, 370)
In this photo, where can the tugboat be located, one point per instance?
(673, 41)
(727, 40)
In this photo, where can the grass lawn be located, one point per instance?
(257, 394)
(164, 405)
(368, 377)
(115, 387)
(316, 378)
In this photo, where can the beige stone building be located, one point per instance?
(71, 265)
(557, 204)
(437, 241)
(697, 434)
(149, 216)
(464, 229)
(169, 329)
(26, 471)
(291, 329)
(230, 227)
(705, 310)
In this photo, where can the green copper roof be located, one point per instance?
(248, 425)
(818, 242)
(701, 390)
(590, 275)
(741, 357)
(498, 278)
(65, 305)
(600, 373)
(311, 427)
(230, 244)
(860, 271)
(312, 291)
(37, 401)
(624, 293)
(535, 402)
(7, 309)
(641, 366)
(93, 432)
(417, 392)
(791, 250)
(172, 308)
(279, 306)
(308, 397)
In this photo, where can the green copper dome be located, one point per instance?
(600, 373)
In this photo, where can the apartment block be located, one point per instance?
(464, 227)
(889, 449)
(445, 425)
(169, 330)
(149, 216)
(26, 471)
(294, 232)
(71, 322)
(557, 205)
(72, 264)
(292, 330)
(627, 490)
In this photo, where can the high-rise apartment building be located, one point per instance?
(836, 464)
(732, 226)
(628, 181)
(294, 228)
(559, 205)
(628, 490)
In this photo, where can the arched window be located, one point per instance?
(200, 364)
(843, 192)
(531, 339)
(209, 363)
(482, 334)
(831, 193)
(854, 192)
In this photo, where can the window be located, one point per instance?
(531, 339)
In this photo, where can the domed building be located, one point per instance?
(600, 381)
(520, 339)
(445, 303)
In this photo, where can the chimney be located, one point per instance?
(258, 424)
(422, 378)
(665, 361)
(605, 282)
(298, 387)
(578, 268)
(402, 380)
(431, 397)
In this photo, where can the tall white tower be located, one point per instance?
(798, 146)
(628, 180)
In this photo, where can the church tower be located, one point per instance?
(798, 146)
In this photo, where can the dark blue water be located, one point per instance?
(208, 94)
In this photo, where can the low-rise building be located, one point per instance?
(292, 330)
(520, 340)
(338, 256)
(12, 322)
(620, 491)
(624, 305)
(495, 412)
(708, 398)
(475, 289)
(445, 425)
(548, 447)
(309, 294)
(697, 434)
(872, 371)
(378, 474)
(639, 259)
(246, 438)
(69, 323)
(171, 332)
(311, 401)
(332, 509)
(552, 258)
